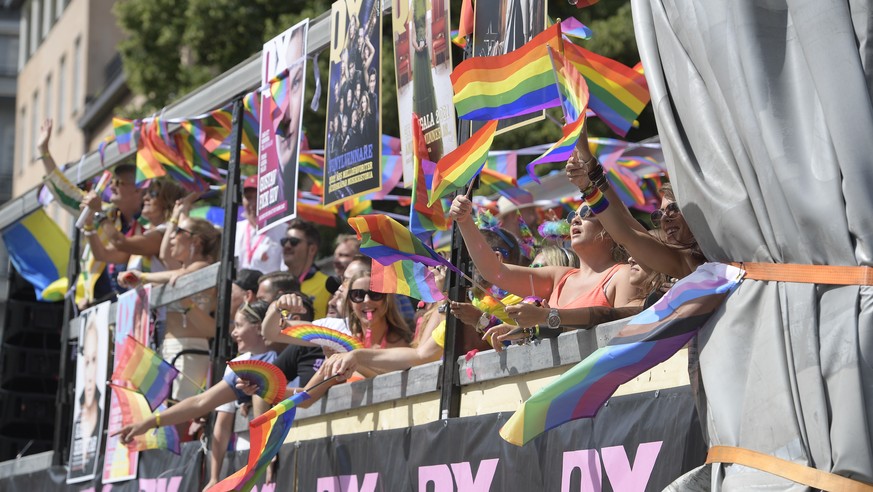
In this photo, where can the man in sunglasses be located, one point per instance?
(299, 251)
(256, 251)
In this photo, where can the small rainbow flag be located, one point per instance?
(386, 241)
(424, 218)
(145, 371)
(618, 93)
(492, 181)
(124, 131)
(251, 124)
(407, 278)
(573, 28)
(39, 250)
(465, 24)
(505, 86)
(316, 213)
(324, 337)
(311, 164)
(134, 408)
(572, 88)
(267, 433)
(650, 338)
(560, 150)
(270, 379)
(459, 166)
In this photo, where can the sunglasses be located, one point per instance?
(293, 241)
(584, 214)
(357, 295)
(657, 215)
(117, 182)
(152, 193)
(182, 229)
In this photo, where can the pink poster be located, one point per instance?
(283, 77)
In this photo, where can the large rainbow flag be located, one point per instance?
(505, 86)
(650, 338)
(39, 250)
(141, 368)
(405, 277)
(387, 241)
(267, 433)
(135, 408)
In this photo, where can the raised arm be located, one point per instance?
(620, 224)
(180, 210)
(274, 323)
(45, 136)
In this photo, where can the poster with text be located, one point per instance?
(423, 67)
(352, 162)
(89, 401)
(283, 78)
(501, 26)
(132, 318)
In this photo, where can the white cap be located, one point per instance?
(505, 205)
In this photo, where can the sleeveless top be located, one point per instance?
(592, 298)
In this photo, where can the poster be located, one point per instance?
(501, 26)
(89, 400)
(352, 163)
(283, 79)
(132, 318)
(423, 67)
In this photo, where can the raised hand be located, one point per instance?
(462, 209)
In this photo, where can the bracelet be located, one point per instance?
(597, 172)
(89, 233)
(587, 190)
(157, 419)
(174, 221)
(596, 201)
(143, 277)
(89, 228)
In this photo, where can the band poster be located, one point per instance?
(283, 79)
(352, 163)
(423, 67)
(501, 26)
(132, 318)
(89, 401)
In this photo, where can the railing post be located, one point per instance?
(63, 410)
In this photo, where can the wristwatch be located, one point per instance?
(554, 319)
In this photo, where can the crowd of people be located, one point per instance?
(609, 266)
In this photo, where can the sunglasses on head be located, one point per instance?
(293, 241)
(357, 295)
(584, 213)
(657, 215)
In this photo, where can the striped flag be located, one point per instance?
(386, 241)
(405, 277)
(39, 250)
(424, 218)
(124, 133)
(461, 165)
(145, 372)
(68, 195)
(134, 408)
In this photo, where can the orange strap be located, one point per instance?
(801, 474)
(809, 274)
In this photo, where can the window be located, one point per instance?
(77, 75)
(62, 86)
(47, 18)
(59, 7)
(47, 112)
(34, 126)
(8, 54)
(22, 150)
(34, 27)
(22, 44)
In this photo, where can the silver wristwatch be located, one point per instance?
(554, 319)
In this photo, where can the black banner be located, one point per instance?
(636, 442)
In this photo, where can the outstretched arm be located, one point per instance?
(45, 136)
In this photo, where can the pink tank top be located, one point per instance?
(592, 298)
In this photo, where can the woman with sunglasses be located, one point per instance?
(677, 255)
(600, 279)
(247, 335)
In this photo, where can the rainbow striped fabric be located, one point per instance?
(405, 277)
(39, 250)
(560, 150)
(465, 24)
(424, 218)
(324, 337)
(134, 408)
(461, 165)
(572, 88)
(387, 241)
(617, 93)
(650, 338)
(267, 433)
(269, 379)
(142, 369)
(491, 181)
(505, 86)
(575, 29)
(124, 133)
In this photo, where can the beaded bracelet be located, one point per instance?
(596, 201)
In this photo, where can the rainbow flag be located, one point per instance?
(424, 218)
(626, 186)
(386, 241)
(405, 277)
(494, 182)
(572, 88)
(158, 156)
(196, 155)
(617, 93)
(459, 166)
(560, 150)
(134, 408)
(575, 29)
(311, 164)
(465, 24)
(124, 131)
(505, 86)
(269, 379)
(39, 250)
(145, 371)
(650, 338)
(267, 434)
(251, 124)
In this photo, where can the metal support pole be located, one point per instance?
(63, 407)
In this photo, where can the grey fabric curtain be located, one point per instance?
(764, 111)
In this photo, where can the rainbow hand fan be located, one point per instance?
(324, 337)
(270, 380)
